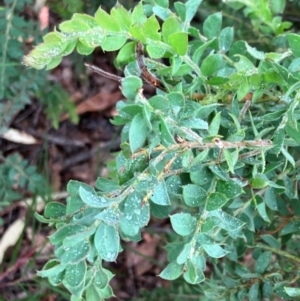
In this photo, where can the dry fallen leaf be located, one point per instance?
(11, 236)
(19, 137)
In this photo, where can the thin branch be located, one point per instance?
(104, 73)
(279, 252)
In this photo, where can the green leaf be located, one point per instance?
(204, 111)
(83, 49)
(214, 250)
(162, 3)
(209, 224)
(54, 63)
(277, 6)
(243, 90)
(292, 291)
(89, 197)
(172, 271)
(51, 268)
(227, 221)
(271, 241)
(151, 29)
(106, 21)
(179, 42)
(106, 185)
(193, 275)
(229, 188)
(74, 204)
(214, 126)
(160, 194)
(293, 130)
(134, 215)
(75, 274)
(278, 140)
(262, 262)
(260, 181)
(49, 51)
(211, 64)
(200, 50)
(107, 242)
(202, 176)
(162, 12)
(155, 51)
(137, 32)
(67, 230)
(254, 52)
(130, 86)
(244, 64)
(158, 211)
(291, 227)
(183, 223)
(107, 292)
(147, 117)
(254, 292)
(138, 15)
(137, 132)
(74, 253)
(219, 172)
(100, 278)
(195, 123)
(273, 76)
(270, 199)
(55, 210)
(121, 15)
(177, 101)
(215, 201)
(92, 293)
(261, 208)
(181, 10)
(194, 195)
(226, 38)
(73, 26)
(159, 102)
(294, 41)
(86, 19)
(231, 158)
(110, 215)
(182, 257)
(166, 136)
(212, 25)
(201, 157)
(52, 38)
(113, 43)
(170, 26)
(267, 289)
(70, 240)
(191, 9)
(187, 159)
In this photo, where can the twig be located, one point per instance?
(104, 73)
(146, 75)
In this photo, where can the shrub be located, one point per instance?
(216, 150)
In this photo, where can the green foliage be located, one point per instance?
(216, 149)
(18, 84)
(17, 177)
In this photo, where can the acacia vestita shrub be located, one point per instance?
(216, 151)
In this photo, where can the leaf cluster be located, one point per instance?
(17, 177)
(216, 150)
(18, 85)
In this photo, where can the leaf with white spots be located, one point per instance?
(107, 242)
